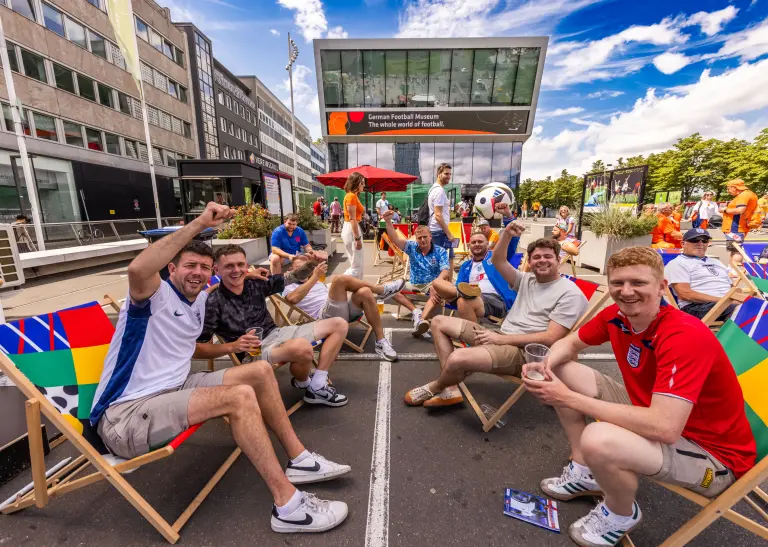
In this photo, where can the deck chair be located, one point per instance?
(302, 317)
(668, 255)
(596, 295)
(750, 251)
(399, 262)
(744, 339)
(461, 252)
(569, 258)
(56, 360)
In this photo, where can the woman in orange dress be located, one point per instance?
(352, 232)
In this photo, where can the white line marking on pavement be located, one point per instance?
(377, 526)
(433, 357)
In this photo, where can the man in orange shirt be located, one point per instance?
(739, 211)
(665, 235)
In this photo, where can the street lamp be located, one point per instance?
(293, 54)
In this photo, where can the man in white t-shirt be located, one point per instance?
(146, 395)
(697, 280)
(704, 211)
(323, 302)
(382, 205)
(545, 309)
(440, 211)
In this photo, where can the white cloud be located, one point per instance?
(716, 106)
(337, 32)
(748, 45)
(561, 112)
(274, 32)
(310, 18)
(670, 62)
(605, 94)
(581, 121)
(450, 18)
(305, 98)
(712, 23)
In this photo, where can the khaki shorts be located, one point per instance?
(343, 308)
(417, 287)
(134, 428)
(685, 463)
(504, 359)
(280, 335)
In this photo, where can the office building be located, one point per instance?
(319, 165)
(82, 112)
(410, 104)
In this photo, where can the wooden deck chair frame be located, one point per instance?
(304, 318)
(595, 304)
(63, 481)
(572, 258)
(399, 262)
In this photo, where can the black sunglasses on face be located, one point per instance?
(699, 240)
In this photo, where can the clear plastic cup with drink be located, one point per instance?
(258, 332)
(535, 355)
(380, 306)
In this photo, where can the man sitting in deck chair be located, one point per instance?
(569, 245)
(545, 309)
(323, 302)
(680, 419)
(240, 304)
(146, 394)
(699, 281)
(480, 290)
(428, 262)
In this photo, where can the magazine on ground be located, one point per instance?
(529, 508)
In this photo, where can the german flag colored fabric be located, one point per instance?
(745, 339)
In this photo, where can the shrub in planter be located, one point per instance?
(308, 221)
(614, 223)
(250, 222)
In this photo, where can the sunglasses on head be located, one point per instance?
(698, 240)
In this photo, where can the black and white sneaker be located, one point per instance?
(314, 468)
(325, 396)
(312, 515)
(295, 382)
(391, 289)
(385, 350)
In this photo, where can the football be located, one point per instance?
(491, 194)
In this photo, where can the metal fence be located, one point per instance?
(58, 235)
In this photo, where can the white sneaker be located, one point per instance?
(416, 318)
(326, 396)
(570, 484)
(385, 350)
(391, 289)
(597, 530)
(314, 468)
(312, 515)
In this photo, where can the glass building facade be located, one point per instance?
(424, 78)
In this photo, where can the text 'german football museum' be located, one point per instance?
(411, 104)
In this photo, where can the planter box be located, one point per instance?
(322, 237)
(540, 230)
(595, 254)
(256, 250)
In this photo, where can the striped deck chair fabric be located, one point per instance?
(757, 274)
(668, 255)
(745, 340)
(752, 251)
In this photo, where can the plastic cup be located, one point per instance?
(322, 278)
(258, 332)
(380, 305)
(535, 353)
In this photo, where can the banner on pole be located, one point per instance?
(121, 17)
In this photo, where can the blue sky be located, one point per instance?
(621, 77)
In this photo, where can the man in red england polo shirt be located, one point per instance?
(680, 419)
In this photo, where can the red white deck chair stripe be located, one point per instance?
(56, 361)
(596, 295)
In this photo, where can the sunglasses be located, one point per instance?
(698, 240)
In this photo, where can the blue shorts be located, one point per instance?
(441, 240)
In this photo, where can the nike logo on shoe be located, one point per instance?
(306, 522)
(315, 467)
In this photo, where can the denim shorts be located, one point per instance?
(441, 240)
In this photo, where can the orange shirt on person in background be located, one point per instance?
(676, 218)
(740, 223)
(351, 200)
(662, 233)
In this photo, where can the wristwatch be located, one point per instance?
(358, 238)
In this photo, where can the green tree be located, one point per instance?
(597, 166)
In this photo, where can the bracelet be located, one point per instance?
(358, 238)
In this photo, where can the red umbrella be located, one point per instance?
(377, 180)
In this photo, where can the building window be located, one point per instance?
(504, 79)
(231, 128)
(93, 138)
(152, 115)
(64, 78)
(226, 152)
(25, 8)
(142, 30)
(482, 76)
(352, 78)
(113, 143)
(117, 57)
(396, 87)
(418, 78)
(229, 102)
(85, 85)
(526, 76)
(165, 120)
(45, 127)
(237, 132)
(173, 89)
(155, 40)
(161, 80)
(178, 56)
(142, 148)
(182, 93)
(331, 67)
(13, 61)
(98, 45)
(157, 156)
(461, 77)
(223, 121)
(76, 33)
(34, 65)
(94, 3)
(130, 149)
(146, 73)
(170, 158)
(168, 49)
(73, 134)
(220, 97)
(7, 117)
(105, 95)
(53, 19)
(124, 102)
